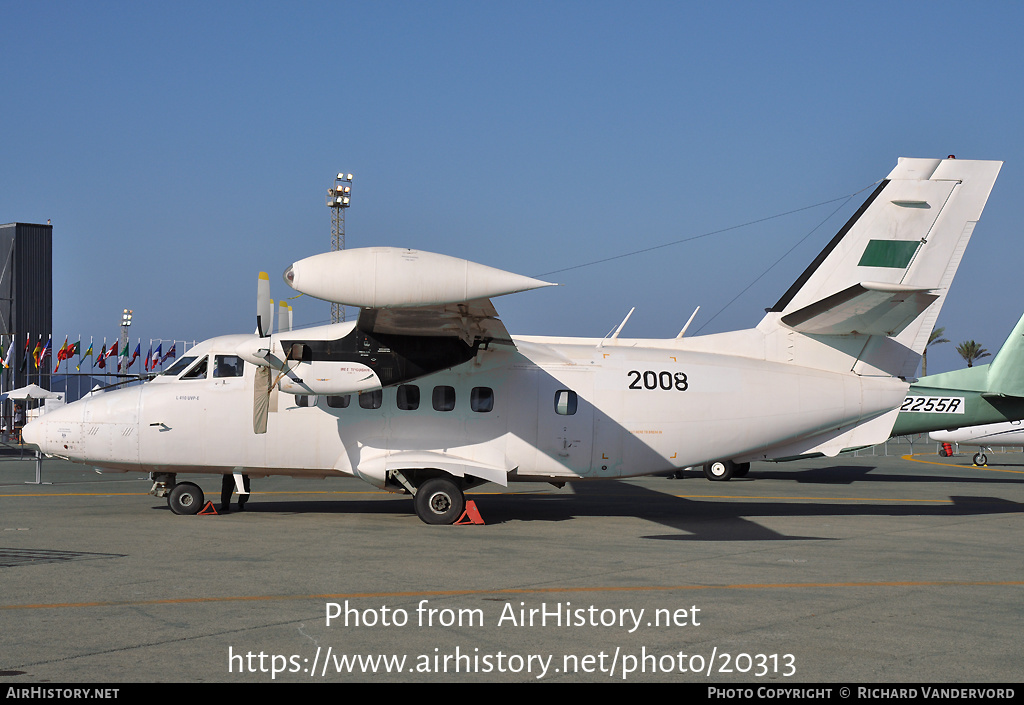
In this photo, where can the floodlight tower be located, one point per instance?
(126, 321)
(338, 201)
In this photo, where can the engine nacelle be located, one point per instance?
(328, 377)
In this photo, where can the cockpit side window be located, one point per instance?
(175, 369)
(198, 371)
(227, 366)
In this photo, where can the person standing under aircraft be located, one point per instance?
(227, 485)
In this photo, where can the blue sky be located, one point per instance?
(180, 148)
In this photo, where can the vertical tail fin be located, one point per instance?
(1004, 376)
(1006, 371)
(881, 282)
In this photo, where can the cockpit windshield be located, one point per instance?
(175, 369)
(198, 370)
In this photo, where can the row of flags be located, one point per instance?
(40, 354)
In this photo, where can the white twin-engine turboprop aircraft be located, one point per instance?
(427, 393)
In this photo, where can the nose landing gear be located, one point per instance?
(182, 498)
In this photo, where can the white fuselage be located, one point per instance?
(559, 409)
(992, 435)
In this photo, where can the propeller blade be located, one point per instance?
(261, 400)
(284, 323)
(264, 307)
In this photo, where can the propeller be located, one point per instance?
(259, 352)
(264, 327)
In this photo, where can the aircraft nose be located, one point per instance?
(33, 433)
(55, 432)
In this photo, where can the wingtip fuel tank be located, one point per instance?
(393, 277)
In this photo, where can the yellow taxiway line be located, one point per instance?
(917, 459)
(528, 591)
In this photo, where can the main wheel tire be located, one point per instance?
(185, 498)
(439, 501)
(741, 469)
(719, 470)
(980, 459)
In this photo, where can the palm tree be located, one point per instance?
(934, 339)
(971, 351)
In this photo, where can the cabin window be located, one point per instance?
(175, 369)
(443, 398)
(371, 400)
(197, 372)
(408, 397)
(227, 366)
(481, 399)
(565, 402)
(339, 402)
(305, 400)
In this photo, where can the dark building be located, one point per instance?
(26, 296)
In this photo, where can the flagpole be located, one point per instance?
(3, 406)
(48, 353)
(92, 367)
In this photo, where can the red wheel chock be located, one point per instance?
(471, 515)
(208, 510)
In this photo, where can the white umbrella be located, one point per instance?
(32, 391)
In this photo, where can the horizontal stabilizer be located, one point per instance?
(867, 308)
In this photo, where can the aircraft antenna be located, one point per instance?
(338, 201)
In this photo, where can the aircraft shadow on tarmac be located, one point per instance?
(849, 474)
(695, 519)
(725, 520)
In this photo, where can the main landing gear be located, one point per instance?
(980, 459)
(437, 498)
(182, 497)
(722, 470)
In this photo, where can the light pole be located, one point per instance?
(338, 200)
(126, 321)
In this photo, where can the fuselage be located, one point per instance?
(546, 409)
(993, 435)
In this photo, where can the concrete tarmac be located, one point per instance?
(882, 570)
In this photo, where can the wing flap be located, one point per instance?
(469, 321)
